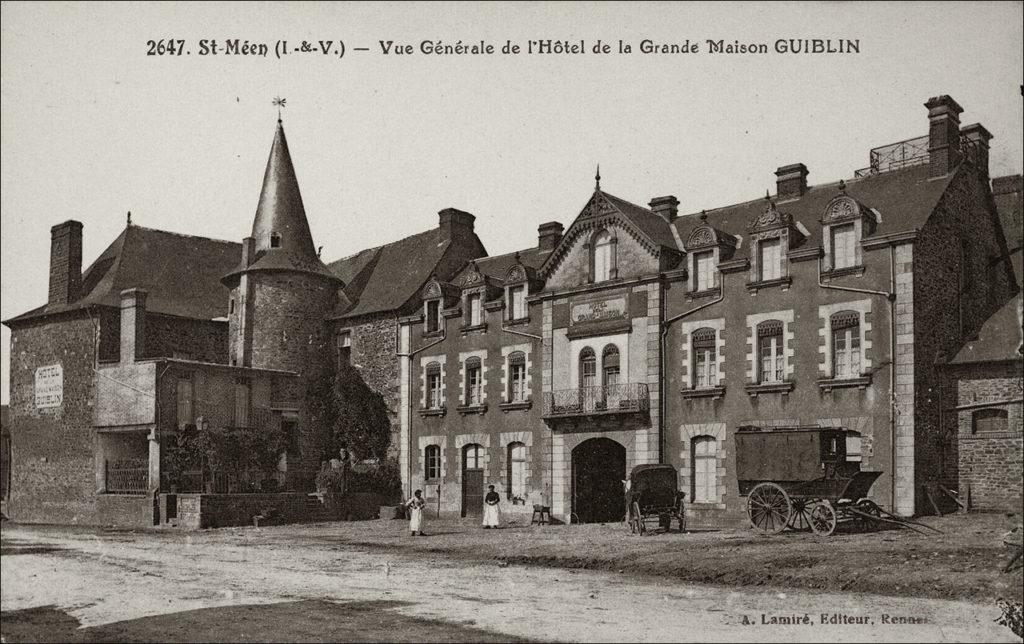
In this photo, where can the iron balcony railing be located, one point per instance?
(127, 476)
(628, 398)
(904, 154)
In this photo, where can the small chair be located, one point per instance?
(541, 514)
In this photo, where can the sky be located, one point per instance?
(92, 127)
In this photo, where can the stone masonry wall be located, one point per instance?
(373, 354)
(53, 477)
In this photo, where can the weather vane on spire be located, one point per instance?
(279, 102)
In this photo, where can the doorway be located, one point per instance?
(598, 469)
(472, 480)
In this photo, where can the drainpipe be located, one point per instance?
(444, 335)
(662, 404)
(890, 296)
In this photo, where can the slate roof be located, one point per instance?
(181, 272)
(653, 225)
(999, 338)
(386, 277)
(496, 267)
(904, 198)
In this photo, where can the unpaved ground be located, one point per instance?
(300, 582)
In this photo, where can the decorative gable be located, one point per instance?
(845, 209)
(704, 237)
(772, 235)
(519, 273)
(436, 289)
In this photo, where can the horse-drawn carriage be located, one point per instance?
(804, 478)
(653, 495)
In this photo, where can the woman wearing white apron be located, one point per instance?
(491, 516)
(416, 505)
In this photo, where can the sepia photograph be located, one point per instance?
(511, 321)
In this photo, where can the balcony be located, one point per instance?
(629, 398)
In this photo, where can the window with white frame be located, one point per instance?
(474, 302)
(704, 270)
(846, 361)
(610, 365)
(432, 462)
(771, 354)
(769, 258)
(517, 377)
(474, 382)
(434, 400)
(603, 259)
(705, 469)
(433, 322)
(517, 304)
(588, 368)
(516, 474)
(705, 359)
(844, 241)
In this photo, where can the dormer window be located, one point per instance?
(433, 316)
(517, 286)
(704, 270)
(275, 240)
(517, 302)
(474, 305)
(602, 256)
(769, 259)
(845, 223)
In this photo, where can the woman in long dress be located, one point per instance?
(491, 501)
(416, 505)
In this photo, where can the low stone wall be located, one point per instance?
(198, 511)
(991, 466)
(126, 510)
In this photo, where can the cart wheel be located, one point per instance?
(801, 519)
(823, 519)
(769, 508)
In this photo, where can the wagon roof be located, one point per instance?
(639, 469)
(793, 428)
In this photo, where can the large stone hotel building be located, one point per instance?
(887, 303)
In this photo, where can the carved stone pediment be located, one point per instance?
(473, 277)
(771, 217)
(704, 236)
(845, 208)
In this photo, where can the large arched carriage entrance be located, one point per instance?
(598, 469)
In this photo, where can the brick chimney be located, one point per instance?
(248, 251)
(666, 207)
(65, 262)
(549, 234)
(974, 138)
(943, 135)
(454, 222)
(791, 181)
(133, 324)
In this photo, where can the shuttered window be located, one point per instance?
(516, 470)
(844, 239)
(770, 258)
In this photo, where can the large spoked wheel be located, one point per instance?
(639, 527)
(823, 519)
(801, 518)
(769, 508)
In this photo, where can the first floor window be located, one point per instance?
(241, 402)
(705, 469)
(770, 351)
(474, 382)
(588, 368)
(846, 345)
(517, 377)
(434, 385)
(844, 239)
(184, 393)
(703, 270)
(432, 462)
(705, 359)
(516, 470)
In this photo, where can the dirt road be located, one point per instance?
(245, 585)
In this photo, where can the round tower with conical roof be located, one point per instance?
(281, 293)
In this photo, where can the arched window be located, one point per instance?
(474, 382)
(588, 368)
(604, 256)
(275, 240)
(516, 470)
(473, 457)
(433, 386)
(432, 462)
(989, 420)
(705, 358)
(846, 345)
(705, 469)
(610, 365)
(517, 377)
(770, 351)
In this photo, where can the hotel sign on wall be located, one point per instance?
(598, 311)
(49, 386)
